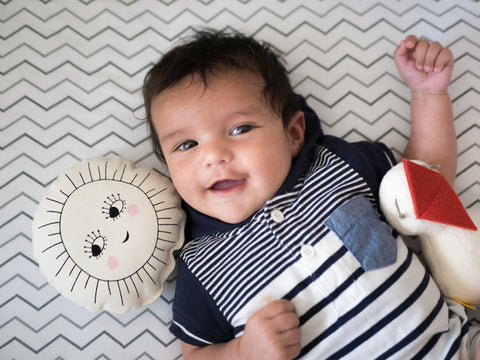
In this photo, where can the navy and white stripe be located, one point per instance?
(287, 251)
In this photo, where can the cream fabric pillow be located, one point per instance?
(105, 234)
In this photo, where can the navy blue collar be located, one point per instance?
(199, 224)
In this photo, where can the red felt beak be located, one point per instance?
(434, 199)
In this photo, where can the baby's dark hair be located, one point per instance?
(208, 51)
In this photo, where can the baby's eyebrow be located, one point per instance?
(241, 112)
(170, 135)
(246, 111)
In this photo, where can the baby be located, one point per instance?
(288, 256)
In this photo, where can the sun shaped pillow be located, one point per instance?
(105, 234)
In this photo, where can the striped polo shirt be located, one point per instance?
(295, 248)
(359, 292)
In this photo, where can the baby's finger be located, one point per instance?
(431, 56)
(286, 322)
(445, 58)
(420, 53)
(276, 308)
(410, 41)
(291, 337)
(291, 341)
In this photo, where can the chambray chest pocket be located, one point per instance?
(363, 233)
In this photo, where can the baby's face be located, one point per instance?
(227, 151)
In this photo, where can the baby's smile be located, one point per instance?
(225, 185)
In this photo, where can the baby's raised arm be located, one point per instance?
(427, 68)
(270, 333)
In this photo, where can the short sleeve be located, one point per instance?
(196, 318)
(369, 159)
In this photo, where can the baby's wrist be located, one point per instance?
(429, 92)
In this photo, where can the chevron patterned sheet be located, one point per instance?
(70, 88)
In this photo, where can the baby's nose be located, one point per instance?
(216, 153)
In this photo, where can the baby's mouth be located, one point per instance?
(226, 184)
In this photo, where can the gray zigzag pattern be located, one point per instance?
(70, 88)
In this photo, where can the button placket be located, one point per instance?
(307, 252)
(278, 220)
(277, 216)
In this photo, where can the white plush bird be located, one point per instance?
(417, 200)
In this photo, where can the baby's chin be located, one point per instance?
(234, 216)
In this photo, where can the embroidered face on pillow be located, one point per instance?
(105, 234)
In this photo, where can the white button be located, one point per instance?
(277, 216)
(307, 251)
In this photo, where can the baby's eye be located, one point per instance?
(114, 206)
(242, 129)
(186, 145)
(96, 244)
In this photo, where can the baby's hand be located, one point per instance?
(271, 333)
(425, 67)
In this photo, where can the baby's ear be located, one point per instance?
(296, 132)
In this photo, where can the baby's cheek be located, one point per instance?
(133, 209)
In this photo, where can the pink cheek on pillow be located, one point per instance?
(133, 210)
(112, 262)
